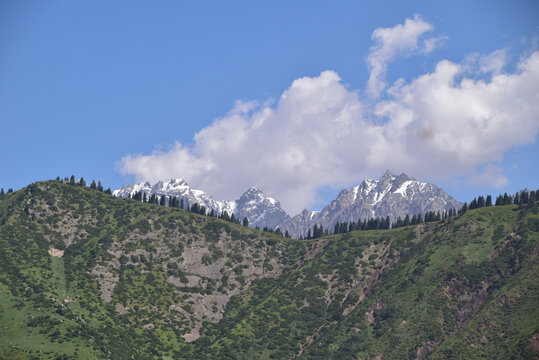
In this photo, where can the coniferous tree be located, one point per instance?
(516, 199)
(72, 180)
(82, 182)
(245, 222)
(406, 220)
(309, 234)
(10, 190)
(488, 201)
(181, 203)
(315, 232)
(286, 234)
(480, 201)
(99, 186)
(144, 199)
(532, 199)
(57, 178)
(224, 216)
(93, 185)
(2, 192)
(163, 200)
(212, 213)
(499, 200)
(108, 191)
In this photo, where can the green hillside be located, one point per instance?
(87, 275)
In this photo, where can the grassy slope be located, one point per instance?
(462, 288)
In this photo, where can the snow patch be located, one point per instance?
(403, 188)
(355, 190)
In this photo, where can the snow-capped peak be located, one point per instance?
(390, 195)
(259, 208)
(393, 195)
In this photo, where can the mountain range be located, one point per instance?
(391, 195)
(85, 275)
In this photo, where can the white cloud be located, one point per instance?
(400, 40)
(490, 63)
(433, 43)
(490, 175)
(320, 133)
(493, 62)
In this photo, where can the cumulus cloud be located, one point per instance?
(493, 62)
(490, 174)
(320, 133)
(398, 41)
(490, 63)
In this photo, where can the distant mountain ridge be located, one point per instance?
(260, 209)
(391, 195)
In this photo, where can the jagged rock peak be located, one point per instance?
(391, 195)
(253, 191)
(387, 174)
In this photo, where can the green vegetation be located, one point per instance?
(87, 275)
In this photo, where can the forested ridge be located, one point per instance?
(87, 275)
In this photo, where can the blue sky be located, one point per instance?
(94, 88)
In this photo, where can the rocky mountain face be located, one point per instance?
(260, 209)
(391, 195)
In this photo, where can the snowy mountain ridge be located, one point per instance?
(391, 195)
(260, 209)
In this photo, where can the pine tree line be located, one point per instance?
(522, 198)
(95, 186)
(2, 193)
(175, 202)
